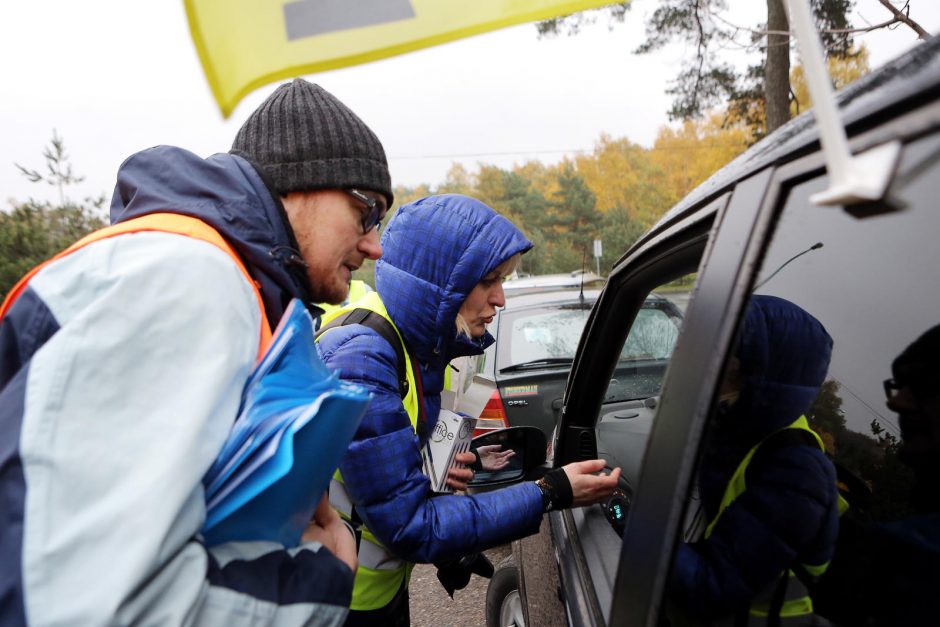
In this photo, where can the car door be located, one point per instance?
(755, 230)
(869, 275)
(598, 420)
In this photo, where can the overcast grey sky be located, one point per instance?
(116, 76)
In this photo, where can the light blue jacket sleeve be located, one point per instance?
(123, 410)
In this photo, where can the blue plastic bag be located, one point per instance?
(295, 422)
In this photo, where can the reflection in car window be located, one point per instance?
(872, 284)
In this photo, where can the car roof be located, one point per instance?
(871, 100)
(553, 281)
(548, 296)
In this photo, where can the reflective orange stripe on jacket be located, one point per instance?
(163, 222)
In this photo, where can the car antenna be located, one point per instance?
(583, 257)
(815, 246)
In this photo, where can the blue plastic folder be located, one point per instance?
(295, 422)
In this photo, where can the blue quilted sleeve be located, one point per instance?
(382, 469)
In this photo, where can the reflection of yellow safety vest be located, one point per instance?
(380, 573)
(797, 605)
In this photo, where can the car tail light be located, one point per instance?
(493, 416)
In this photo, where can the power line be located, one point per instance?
(696, 146)
(896, 431)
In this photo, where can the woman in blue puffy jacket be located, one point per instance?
(440, 281)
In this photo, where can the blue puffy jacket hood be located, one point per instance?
(228, 193)
(784, 356)
(435, 251)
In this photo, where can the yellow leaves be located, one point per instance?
(695, 150)
(612, 171)
(842, 71)
(623, 176)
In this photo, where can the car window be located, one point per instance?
(841, 305)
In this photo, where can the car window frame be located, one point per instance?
(683, 246)
(710, 319)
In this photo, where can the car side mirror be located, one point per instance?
(507, 455)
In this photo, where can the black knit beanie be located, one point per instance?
(305, 139)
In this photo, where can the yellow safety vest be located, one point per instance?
(357, 289)
(381, 573)
(797, 604)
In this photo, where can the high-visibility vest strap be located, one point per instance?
(737, 485)
(161, 222)
(381, 573)
(797, 603)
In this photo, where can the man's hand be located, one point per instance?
(493, 457)
(328, 529)
(458, 476)
(588, 488)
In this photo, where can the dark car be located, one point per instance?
(537, 336)
(868, 271)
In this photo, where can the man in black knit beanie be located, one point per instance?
(122, 365)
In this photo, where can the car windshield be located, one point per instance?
(547, 337)
(541, 337)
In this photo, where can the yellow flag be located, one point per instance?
(244, 44)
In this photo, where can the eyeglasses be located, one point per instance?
(893, 387)
(922, 386)
(375, 210)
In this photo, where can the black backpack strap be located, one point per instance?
(381, 326)
(384, 328)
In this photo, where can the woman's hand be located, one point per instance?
(328, 529)
(458, 476)
(588, 488)
(493, 457)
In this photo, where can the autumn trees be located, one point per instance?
(741, 67)
(613, 193)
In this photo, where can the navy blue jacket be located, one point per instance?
(789, 511)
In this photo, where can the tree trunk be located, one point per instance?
(777, 67)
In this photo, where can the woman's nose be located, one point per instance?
(498, 296)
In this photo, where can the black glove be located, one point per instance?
(556, 490)
(455, 574)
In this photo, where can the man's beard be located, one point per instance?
(328, 292)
